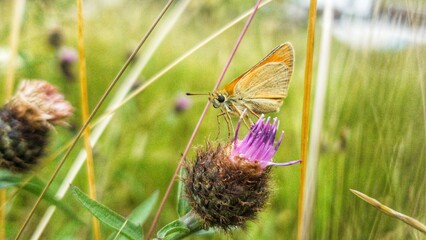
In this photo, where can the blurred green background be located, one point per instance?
(373, 137)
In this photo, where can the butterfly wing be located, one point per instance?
(284, 54)
(263, 89)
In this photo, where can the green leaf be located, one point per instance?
(182, 206)
(108, 217)
(34, 186)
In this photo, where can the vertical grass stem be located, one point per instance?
(85, 116)
(301, 227)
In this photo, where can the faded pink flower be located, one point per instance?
(41, 103)
(25, 123)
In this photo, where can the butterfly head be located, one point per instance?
(218, 98)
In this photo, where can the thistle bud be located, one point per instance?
(228, 184)
(67, 60)
(25, 122)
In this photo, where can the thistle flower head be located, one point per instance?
(25, 122)
(228, 184)
(40, 103)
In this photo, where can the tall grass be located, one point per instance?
(373, 136)
(85, 115)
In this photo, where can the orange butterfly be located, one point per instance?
(261, 89)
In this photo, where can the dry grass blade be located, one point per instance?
(3, 200)
(85, 116)
(318, 115)
(302, 225)
(389, 211)
(18, 16)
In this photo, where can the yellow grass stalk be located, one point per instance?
(301, 226)
(390, 212)
(3, 200)
(85, 116)
(17, 16)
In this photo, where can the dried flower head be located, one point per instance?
(40, 103)
(228, 184)
(25, 122)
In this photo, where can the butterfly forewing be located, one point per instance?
(281, 54)
(269, 81)
(263, 89)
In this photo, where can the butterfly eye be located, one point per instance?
(221, 98)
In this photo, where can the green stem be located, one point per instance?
(181, 228)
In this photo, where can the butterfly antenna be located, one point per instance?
(197, 94)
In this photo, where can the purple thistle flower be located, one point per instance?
(259, 145)
(228, 183)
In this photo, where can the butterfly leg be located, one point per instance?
(251, 111)
(218, 123)
(229, 124)
(247, 121)
(228, 121)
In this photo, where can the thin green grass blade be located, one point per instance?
(108, 217)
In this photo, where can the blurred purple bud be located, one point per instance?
(67, 58)
(182, 103)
